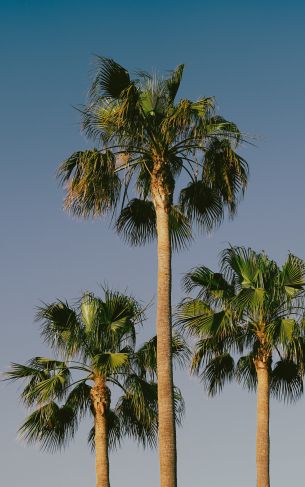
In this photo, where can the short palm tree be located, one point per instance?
(145, 139)
(254, 310)
(95, 351)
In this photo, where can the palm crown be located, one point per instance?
(96, 343)
(252, 306)
(145, 139)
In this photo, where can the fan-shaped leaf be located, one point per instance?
(110, 79)
(286, 381)
(202, 204)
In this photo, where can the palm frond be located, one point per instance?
(241, 264)
(226, 171)
(146, 356)
(173, 83)
(293, 275)
(51, 426)
(20, 371)
(53, 386)
(286, 381)
(137, 222)
(217, 372)
(190, 314)
(137, 409)
(179, 406)
(210, 285)
(249, 300)
(110, 79)
(112, 321)
(180, 228)
(60, 327)
(202, 204)
(246, 372)
(91, 184)
(79, 399)
(108, 363)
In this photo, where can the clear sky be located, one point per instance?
(250, 56)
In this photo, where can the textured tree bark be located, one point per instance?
(167, 431)
(262, 435)
(100, 397)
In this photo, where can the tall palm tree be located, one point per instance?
(252, 309)
(95, 351)
(145, 139)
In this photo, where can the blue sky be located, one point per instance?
(250, 57)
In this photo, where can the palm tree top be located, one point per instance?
(93, 341)
(145, 137)
(253, 306)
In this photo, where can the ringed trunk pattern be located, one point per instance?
(100, 397)
(167, 431)
(262, 435)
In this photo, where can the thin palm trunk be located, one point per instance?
(167, 432)
(262, 435)
(100, 400)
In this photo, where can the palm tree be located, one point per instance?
(145, 139)
(253, 309)
(95, 351)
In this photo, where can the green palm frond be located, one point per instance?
(282, 331)
(226, 171)
(110, 79)
(19, 371)
(137, 224)
(246, 372)
(190, 314)
(242, 264)
(224, 130)
(173, 83)
(198, 319)
(92, 185)
(146, 356)
(153, 99)
(293, 275)
(108, 363)
(54, 386)
(110, 321)
(138, 410)
(179, 406)
(286, 381)
(180, 228)
(250, 300)
(202, 204)
(79, 399)
(47, 379)
(295, 350)
(51, 426)
(210, 285)
(60, 327)
(217, 372)
(205, 350)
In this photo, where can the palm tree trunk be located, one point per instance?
(167, 431)
(100, 397)
(262, 435)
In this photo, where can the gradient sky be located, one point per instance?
(250, 56)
